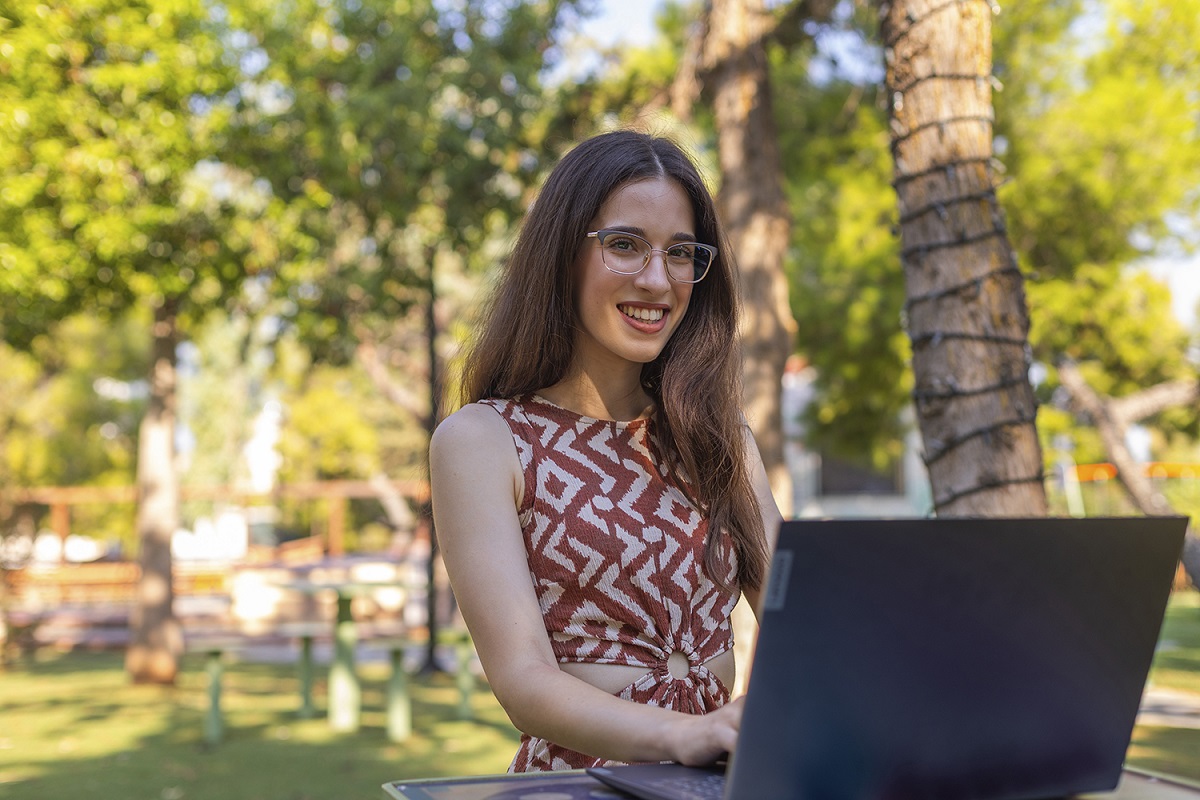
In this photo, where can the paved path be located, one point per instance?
(1170, 708)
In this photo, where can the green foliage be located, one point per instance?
(69, 412)
(1097, 129)
(401, 130)
(327, 436)
(1105, 142)
(336, 150)
(60, 430)
(1099, 125)
(1120, 320)
(632, 86)
(847, 291)
(112, 199)
(111, 195)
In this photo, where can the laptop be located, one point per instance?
(992, 659)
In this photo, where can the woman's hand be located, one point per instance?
(698, 740)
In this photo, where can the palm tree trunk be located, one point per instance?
(966, 312)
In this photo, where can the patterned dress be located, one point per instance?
(616, 554)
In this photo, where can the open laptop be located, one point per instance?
(992, 659)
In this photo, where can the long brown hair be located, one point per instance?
(527, 333)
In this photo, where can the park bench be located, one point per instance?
(218, 647)
(399, 701)
(20, 631)
(97, 582)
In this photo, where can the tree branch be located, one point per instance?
(1156, 399)
(1112, 428)
(367, 355)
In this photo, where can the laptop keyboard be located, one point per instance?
(706, 787)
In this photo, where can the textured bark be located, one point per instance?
(965, 307)
(755, 212)
(156, 639)
(1112, 418)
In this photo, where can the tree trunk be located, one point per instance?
(431, 423)
(966, 312)
(1112, 418)
(755, 212)
(156, 638)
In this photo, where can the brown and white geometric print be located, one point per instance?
(615, 551)
(614, 548)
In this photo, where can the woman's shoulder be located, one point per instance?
(474, 437)
(480, 423)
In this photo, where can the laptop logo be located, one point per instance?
(777, 585)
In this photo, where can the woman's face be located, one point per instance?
(627, 320)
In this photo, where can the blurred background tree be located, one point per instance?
(409, 142)
(113, 200)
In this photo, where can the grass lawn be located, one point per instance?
(72, 726)
(1174, 751)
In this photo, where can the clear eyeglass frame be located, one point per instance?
(692, 258)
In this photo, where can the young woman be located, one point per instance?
(599, 501)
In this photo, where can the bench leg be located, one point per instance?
(464, 679)
(345, 697)
(305, 668)
(213, 724)
(399, 704)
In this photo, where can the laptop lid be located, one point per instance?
(955, 658)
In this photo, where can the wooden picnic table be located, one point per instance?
(345, 692)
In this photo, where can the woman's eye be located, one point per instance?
(681, 251)
(621, 244)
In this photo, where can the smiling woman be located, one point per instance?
(599, 501)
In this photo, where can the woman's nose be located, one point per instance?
(654, 274)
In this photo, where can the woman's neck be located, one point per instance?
(582, 393)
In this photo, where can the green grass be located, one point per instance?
(1174, 751)
(72, 726)
(1177, 663)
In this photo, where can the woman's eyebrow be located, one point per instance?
(640, 231)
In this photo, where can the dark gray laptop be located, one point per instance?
(992, 659)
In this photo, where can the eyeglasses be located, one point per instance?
(628, 254)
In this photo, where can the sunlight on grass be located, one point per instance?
(73, 723)
(1170, 751)
(1174, 751)
(1177, 663)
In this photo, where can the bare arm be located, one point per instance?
(766, 502)
(476, 482)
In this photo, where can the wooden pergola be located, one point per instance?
(336, 493)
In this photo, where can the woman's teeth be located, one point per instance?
(643, 314)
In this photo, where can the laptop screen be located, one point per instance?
(987, 658)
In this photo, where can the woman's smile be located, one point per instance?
(649, 315)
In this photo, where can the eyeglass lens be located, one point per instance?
(627, 253)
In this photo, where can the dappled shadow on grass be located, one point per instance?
(90, 732)
(1177, 662)
(50, 661)
(1169, 751)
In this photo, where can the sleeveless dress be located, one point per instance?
(616, 553)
